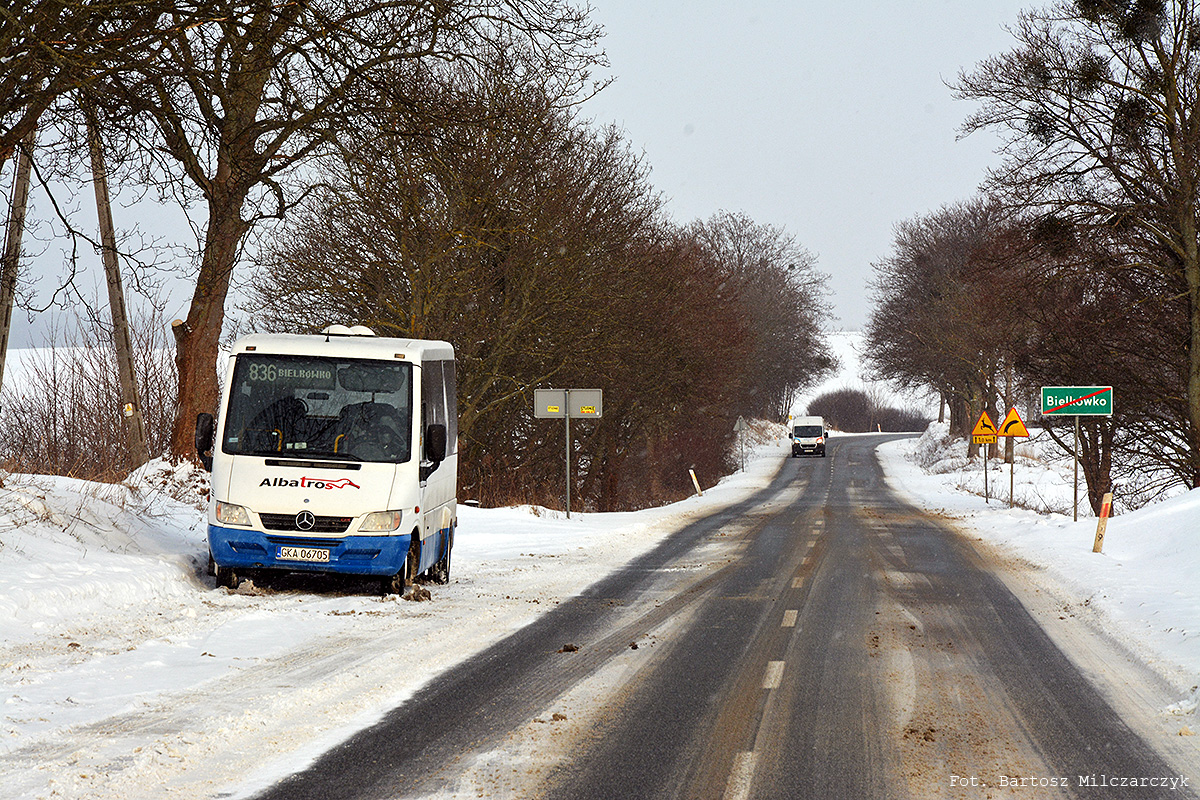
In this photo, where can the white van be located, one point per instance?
(334, 453)
(808, 436)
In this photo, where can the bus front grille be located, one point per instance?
(288, 522)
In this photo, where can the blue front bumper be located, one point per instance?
(357, 555)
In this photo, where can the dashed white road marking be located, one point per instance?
(740, 777)
(789, 618)
(797, 583)
(774, 675)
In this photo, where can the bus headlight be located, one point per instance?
(381, 521)
(230, 514)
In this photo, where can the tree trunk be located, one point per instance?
(1192, 274)
(135, 431)
(198, 338)
(1095, 459)
(959, 412)
(1010, 442)
(10, 259)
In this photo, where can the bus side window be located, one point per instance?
(433, 397)
(450, 384)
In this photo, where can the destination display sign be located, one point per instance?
(1081, 401)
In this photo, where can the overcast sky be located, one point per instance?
(830, 120)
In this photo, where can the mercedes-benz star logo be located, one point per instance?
(305, 521)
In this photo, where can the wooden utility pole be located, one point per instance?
(10, 259)
(135, 431)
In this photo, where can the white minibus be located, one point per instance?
(333, 453)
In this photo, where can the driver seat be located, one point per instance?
(356, 421)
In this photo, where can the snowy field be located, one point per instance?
(848, 347)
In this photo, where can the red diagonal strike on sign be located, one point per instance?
(1076, 400)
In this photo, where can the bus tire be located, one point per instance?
(398, 583)
(227, 577)
(440, 572)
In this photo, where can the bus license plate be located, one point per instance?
(313, 554)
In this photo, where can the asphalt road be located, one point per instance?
(822, 639)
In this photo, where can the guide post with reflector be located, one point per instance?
(1102, 523)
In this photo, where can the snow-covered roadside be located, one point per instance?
(124, 673)
(1145, 585)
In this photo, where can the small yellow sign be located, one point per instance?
(587, 409)
(1013, 425)
(983, 439)
(554, 409)
(984, 426)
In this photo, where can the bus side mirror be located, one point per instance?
(205, 432)
(435, 443)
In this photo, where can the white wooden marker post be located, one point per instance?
(1102, 523)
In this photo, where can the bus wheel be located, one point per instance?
(396, 584)
(227, 577)
(440, 572)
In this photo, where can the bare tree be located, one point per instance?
(936, 320)
(237, 106)
(495, 220)
(1099, 103)
(49, 48)
(64, 417)
(774, 283)
(1096, 319)
(533, 241)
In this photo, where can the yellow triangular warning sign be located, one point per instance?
(984, 426)
(1012, 425)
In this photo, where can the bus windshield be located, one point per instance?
(304, 407)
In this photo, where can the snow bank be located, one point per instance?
(124, 671)
(73, 552)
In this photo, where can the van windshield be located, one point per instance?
(304, 407)
(808, 432)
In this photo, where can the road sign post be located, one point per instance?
(568, 403)
(984, 433)
(1077, 401)
(740, 427)
(1012, 425)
